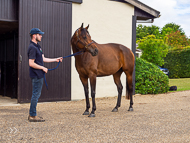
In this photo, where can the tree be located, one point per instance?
(143, 31)
(177, 41)
(154, 50)
(166, 31)
(172, 27)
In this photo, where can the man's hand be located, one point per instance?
(45, 70)
(59, 59)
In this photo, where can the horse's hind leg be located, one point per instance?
(130, 89)
(117, 81)
(85, 85)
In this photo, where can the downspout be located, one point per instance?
(134, 21)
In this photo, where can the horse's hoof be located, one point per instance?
(85, 113)
(115, 110)
(130, 109)
(91, 115)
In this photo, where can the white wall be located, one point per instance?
(110, 22)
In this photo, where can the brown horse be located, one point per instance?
(101, 60)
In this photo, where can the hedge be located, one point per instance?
(149, 79)
(178, 63)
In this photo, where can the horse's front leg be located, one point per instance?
(93, 90)
(86, 92)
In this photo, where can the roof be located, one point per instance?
(144, 8)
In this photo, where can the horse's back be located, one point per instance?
(117, 50)
(114, 56)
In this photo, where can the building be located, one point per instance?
(110, 21)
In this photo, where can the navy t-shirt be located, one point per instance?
(35, 52)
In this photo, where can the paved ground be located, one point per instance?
(163, 118)
(7, 101)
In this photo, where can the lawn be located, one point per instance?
(181, 83)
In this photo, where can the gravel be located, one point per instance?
(156, 118)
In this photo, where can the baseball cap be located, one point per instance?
(36, 31)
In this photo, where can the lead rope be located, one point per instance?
(78, 53)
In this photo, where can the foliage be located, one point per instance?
(177, 62)
(143, 31)
(177, 41)
(172, 27)
(154, 50)
(149, 79)
(166, 31)
(156, 43)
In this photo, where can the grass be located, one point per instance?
(181, 83)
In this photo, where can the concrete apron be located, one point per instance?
(7, 101)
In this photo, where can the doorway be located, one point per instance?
(9, 63)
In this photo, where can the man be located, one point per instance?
(37, 70)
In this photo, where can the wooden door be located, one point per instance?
(55, 19)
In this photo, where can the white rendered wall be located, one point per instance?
(110, 22)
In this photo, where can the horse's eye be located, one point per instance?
(84, 37)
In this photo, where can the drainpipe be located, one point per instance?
(134, 21)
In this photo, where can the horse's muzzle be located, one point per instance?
(94, 52)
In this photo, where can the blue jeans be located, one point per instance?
(36, 92)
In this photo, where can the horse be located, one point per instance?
(97, 60)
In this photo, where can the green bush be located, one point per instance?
(149, 79)
(178, 63)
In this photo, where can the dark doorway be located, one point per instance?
(9, 63)
(8, 48)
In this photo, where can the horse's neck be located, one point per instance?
(75, 50)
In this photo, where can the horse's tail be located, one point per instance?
(129, 87)
(127, 93)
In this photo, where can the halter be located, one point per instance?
(78, 40)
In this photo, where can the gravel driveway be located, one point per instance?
(163, 118)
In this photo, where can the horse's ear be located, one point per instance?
(87, 27)
(81, 26)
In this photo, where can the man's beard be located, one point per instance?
(38, 40)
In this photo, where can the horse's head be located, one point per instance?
(83, 41)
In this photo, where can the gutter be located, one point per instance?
(145, 21)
